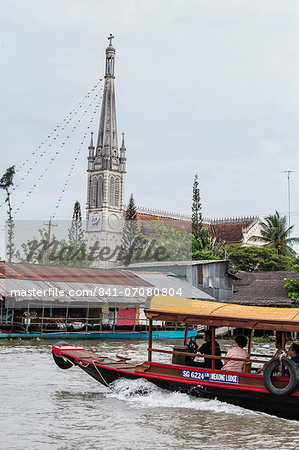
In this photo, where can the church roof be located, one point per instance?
(229, 230)
(147, 219)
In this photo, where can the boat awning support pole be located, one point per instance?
(213, 347)
(150, 339)
(283, 345)
(283, 340)
(250, 340)
(186, 334)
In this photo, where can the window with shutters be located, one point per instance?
(94, 192)
(111, 192)
(116, 198)
(100, 191)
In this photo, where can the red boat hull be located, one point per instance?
(245, 390)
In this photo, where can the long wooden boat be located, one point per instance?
(277, 395)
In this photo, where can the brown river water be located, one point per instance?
(44, 407)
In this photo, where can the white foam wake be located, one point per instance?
(141, 393)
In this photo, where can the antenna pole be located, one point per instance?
(288, 172)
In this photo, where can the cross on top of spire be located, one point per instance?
(110, 39)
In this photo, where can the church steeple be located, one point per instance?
(106, 174)
(107, 156)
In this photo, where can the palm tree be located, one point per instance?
(276, 234)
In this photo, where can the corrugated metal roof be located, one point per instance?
(262, 289)
(170, 282)
(59, 273)
(23, 283)
(18, 293)
(174, 263)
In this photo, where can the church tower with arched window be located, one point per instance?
(106, 170)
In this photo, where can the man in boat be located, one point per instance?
(206, 349)
(279, 351)
(293, 352)
(237, 352)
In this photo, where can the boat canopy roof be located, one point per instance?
(187, 311)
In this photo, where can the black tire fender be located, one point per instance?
(61, 362)
(294, 376)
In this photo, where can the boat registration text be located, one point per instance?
(209, 376)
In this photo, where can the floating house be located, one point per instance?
(55, 301)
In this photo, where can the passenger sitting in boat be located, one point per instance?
(237, 352)
(206, 349)
(293, 352)
(279, 351)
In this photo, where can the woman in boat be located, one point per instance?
(237, 352)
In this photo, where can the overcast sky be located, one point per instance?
(207, 87)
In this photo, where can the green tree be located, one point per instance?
(276, 234)
(131, 241)
(76, 233)
(162, 241)
(55, 253)
(251, 259)
(6, 182)
(292, 286)
(203, 245)
(196, 216)
(206, 247)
